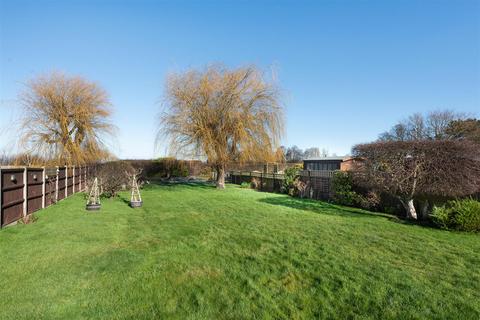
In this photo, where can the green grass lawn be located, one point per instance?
(193, 252)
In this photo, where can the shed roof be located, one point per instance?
(327, 158)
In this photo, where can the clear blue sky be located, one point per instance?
(349, 69)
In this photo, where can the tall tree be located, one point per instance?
(324, 153)
(222, 114)
(464, 129)
(5, 158)
(312, 152)
(294, 154)
(433, 126)
(65, 119)
(416, 170)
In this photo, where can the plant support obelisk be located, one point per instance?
(136, 198)
(93, 201)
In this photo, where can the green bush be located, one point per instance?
(245, 185)
(463, 215)
(291, 177)
(342, 190)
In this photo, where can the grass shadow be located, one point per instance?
(124, 199)
(324, 207)
(174, 183)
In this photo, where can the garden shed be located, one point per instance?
(328, 163)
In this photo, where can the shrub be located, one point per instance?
(113, 176)
(255, 184)
(342, 190)
(291, 175)
(245, 185)
(299, 188)
(370, 201)
(171, 167)
(463, 215)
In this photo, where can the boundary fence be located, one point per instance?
(24, 190)
(318, 183)
(269, 182)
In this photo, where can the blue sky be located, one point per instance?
(348, 69)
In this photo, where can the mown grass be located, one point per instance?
(193, 252)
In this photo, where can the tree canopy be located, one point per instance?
(65, 119)
(432, 126)
(412, 170)
(465, 129)
(224, 115)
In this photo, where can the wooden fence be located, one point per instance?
(318, 183)
(24, 190)
(269, 182)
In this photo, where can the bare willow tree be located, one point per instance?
(65, 119)
(224, 115)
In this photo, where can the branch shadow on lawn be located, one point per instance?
(174, 183)
(124, 199)
(324, 207)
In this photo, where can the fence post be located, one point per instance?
(25, 191)
(66, 182)
(310, 185)
(43, 187)
(56, 186)
(73, 179)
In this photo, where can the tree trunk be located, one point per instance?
(410, 208)
(220, 177)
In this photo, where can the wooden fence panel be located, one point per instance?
(84, 178)
(318, 183)
(12, 195)
(26, 190)
(50, 186)
(62, 182)
(69, 181)
(269, 182)
(77, 179)
(34, 189)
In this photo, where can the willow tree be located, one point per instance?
(223, 115)
(65, 119)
